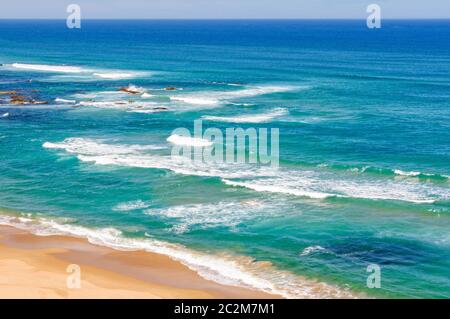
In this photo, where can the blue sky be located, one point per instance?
(219, 9)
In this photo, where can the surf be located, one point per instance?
(314, 184)
(255, 118)
(47, 68)
(214, 98)
(80, 73)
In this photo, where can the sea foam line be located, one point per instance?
(115, 76)
(102, 153)
(47, 68)
(211, 98)
(92, 73)
(420, 174)
(312, 183)
(64, 101)
(386, 171)
(280, 189)
(255, 118)
(317, 187)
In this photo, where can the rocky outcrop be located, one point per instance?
(21, 100)
(18, 99)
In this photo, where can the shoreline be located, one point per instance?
(33, 266)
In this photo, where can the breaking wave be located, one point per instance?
(102, 153)
(64, 101)
(48, 68)
(212, 98)
(311, 183)
(188, 141)
(319, 184)
(255, 118)
(81, 73)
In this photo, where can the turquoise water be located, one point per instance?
(364, 122)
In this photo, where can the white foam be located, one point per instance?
(241, 104)
(130, 206)
(224, 269)
(134, 89)
(150, 111)
(188, 141)
(403, 173)
(132, 106)
(319, 183)
(256, 118)
(254, 91)
(120, 100)
(102, 153)
(417, 173)
(212, 98)
(311, 249)
(195, 100)
(115, 75)
(58, 100)
(221, 214)
(259, 187)
(48, 68)
(89, 147)
(104, 95)
(79, 73)
(326, 184)
(119, 104)
(5, 114)
(227, 83)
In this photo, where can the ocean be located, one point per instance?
(364, 147)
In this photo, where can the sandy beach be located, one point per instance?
(37, 267)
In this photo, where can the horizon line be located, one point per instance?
(230, 19)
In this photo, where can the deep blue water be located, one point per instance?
(364, 122)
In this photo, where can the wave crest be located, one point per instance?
(211, 98)
(48, 68)
(255, 118)
(311, 183)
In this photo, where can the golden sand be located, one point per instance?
(37, 267)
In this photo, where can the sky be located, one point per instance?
(225, 9)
